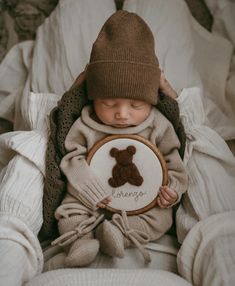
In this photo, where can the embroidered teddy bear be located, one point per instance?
(125, 171)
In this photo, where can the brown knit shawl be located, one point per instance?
(61, 119)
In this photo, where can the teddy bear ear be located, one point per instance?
(131, 149)
(113, 152)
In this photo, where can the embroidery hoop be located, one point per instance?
(127, 197)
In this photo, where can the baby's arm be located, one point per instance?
(83, 183)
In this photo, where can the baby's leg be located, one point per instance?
(72, 215)
(155, 222)
(126, 231)
(76, 224)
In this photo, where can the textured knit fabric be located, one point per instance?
(15, 197)
(210, 165)
(82, 253)
(21, 254)
(123, 61)
(61, 120)
(207, 254)
(20, 219)
(13, 268)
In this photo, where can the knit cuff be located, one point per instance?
(90, 193)
(83, 183)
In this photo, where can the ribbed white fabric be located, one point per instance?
(107, 277)
(207, 254)
(22, 165)
(210, 165)
(20, 251)
(12, 252)
(21, 185)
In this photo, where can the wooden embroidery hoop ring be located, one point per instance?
(146, 142)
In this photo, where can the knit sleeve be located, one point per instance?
(169, 146)
(82, 182)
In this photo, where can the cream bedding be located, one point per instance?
(207, 254)
(35, 74)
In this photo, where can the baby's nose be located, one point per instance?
(122, 113)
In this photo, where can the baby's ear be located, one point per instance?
(113, 152)
(131, 150)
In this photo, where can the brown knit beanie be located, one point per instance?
(123, 63)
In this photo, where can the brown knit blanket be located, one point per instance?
(61, 119)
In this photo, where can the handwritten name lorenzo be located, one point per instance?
(125, 194)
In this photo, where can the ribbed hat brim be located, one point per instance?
(119, 79)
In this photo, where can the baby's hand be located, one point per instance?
(102, 204)
(166, 197)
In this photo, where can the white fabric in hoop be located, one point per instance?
(129, 197)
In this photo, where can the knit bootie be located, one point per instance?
(82, 252)
(55, 262)
(133, 231)
(111, 239)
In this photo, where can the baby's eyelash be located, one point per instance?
(108, 105)
(137, 106)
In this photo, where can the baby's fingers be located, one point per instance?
(107, 200)
(168, 194)
(104, 202)
(101, 205)
(162, 203)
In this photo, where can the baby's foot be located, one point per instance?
(82, 252)
(111, 239)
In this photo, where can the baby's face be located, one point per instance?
(120, 112)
